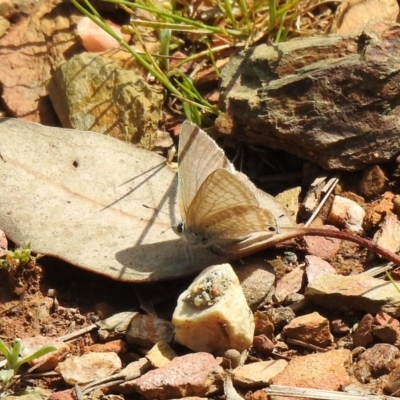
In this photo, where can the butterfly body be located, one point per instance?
(219, 206)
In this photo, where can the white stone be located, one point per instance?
(346, 213)
(212, 315)
(388, 236)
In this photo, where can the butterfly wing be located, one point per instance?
(198, 157)
(225, 208)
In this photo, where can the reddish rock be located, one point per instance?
(115, 346)
(317, 371)
(258, 395)
(322, 247)
(340, 327)
(289, 283)
(311, 328)
(386, 328)
(382, 318)
(378, 210)
(146, 330)
(263, 345)
(362, 336)
(23, 74)
(263, 325)
(393, 382)
(374, 362)
(64, 395)
(196, 374)
(387, 333)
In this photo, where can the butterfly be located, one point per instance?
(219, 206)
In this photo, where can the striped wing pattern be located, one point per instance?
(199, 156)
(224, 208)
(217, 203)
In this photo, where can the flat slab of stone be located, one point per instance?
(355, 292)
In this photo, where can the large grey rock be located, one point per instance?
(330, 99)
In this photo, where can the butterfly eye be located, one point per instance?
(178, 228)
(271, 229)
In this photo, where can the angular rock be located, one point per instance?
(160, 354)
(293, 299)
(322, 247)
(257, 279)
(114, 346)
(388, 235)
(383, 319)
(280, 316)
(258, 373)
(340, 327)
(387, 334)
(90, 92)
(290, 283)
(263, 344)
(362, 335)
(192, 375)
(318, 371)
(317, 266)
(378, 211)
(354, 15)
(346, 213)
(212, 314)
(269, 93)
(89, 367)
(374, 362)
(50, 360)
(311, 328)
(146, 330)
(386, 328)
(263, 325)
(50, 33)
(355, 292)
(373, 182)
